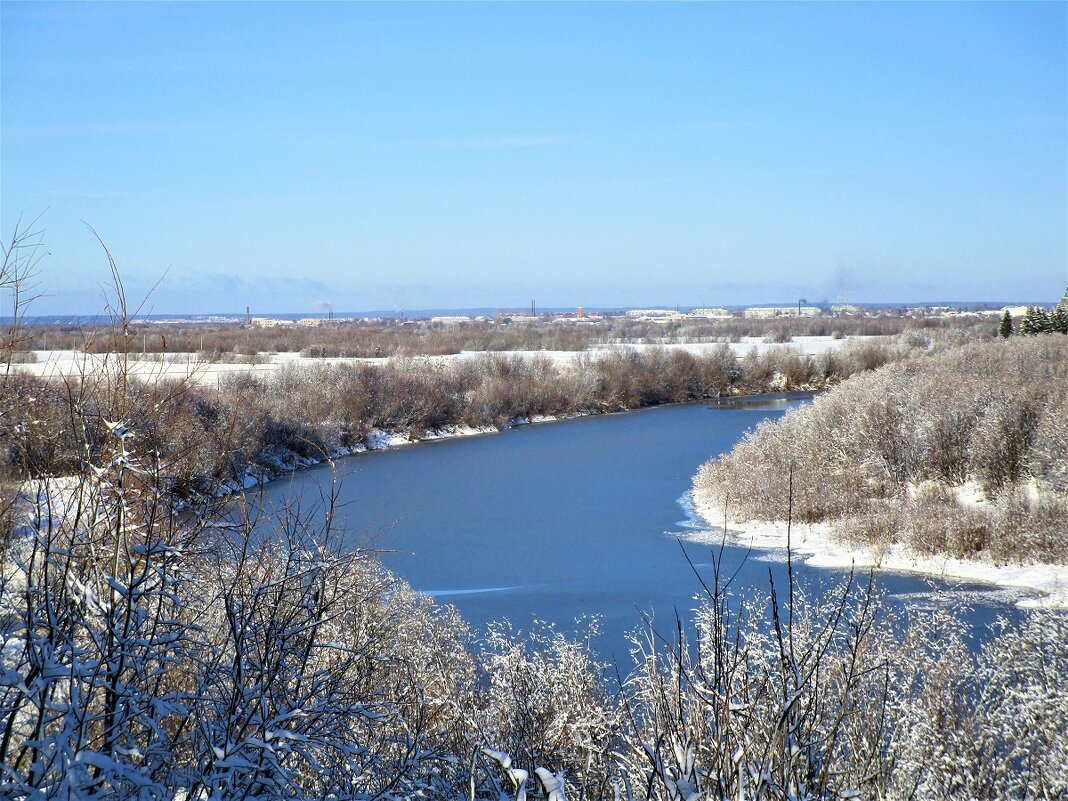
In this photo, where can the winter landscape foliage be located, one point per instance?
(206, 433)
(961, 453)
(379, 339)
(151, 654)
(157, 642)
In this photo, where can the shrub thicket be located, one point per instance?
(204, 434)
(898, 454)
(423, 338)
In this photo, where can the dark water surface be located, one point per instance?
(563, 520)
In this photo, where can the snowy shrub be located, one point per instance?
(990, 415)
(547, 706)
(1048, 457)
(790, 697)
(780, 697)
(144, 654)
(985, 726)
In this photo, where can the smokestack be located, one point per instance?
(248, 315)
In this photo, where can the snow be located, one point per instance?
(817, 547)
(803, 345)
(459, 431)
(380, 440)
(190, 367)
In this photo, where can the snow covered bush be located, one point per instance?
(985, 416)
(146, 653)
(314, 677)
(778, 698)
(94, 632)
(789, 696)
(546, 704)
(986, 725)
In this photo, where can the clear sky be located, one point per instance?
(479, 155)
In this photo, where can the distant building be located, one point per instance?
(1014, 311)
(845, 309)
(654, 315)
(768, 312)
(930, 311)
(310, 322)
(1064, 299)
(711, 313)
(269, 322)
(450, 320)
(580, 317)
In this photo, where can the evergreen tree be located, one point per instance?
(1005, 331)
(1058, 319)
(1027, 325)
(1042, 321)
(1036, 321)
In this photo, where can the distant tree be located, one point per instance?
(1005, 330)
(1027, 325)
(1058, 319)
(1036, 321)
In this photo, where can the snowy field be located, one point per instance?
(67, 363)
(814, 544)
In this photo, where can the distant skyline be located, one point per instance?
(434, 156)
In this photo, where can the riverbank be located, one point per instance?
(279, 465)
(292, 417)
(210, 369)
(816, 546)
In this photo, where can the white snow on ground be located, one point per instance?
(188, 366)
(816, 546)
(803, 345)
(185, 366)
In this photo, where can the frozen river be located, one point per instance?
(563, 520)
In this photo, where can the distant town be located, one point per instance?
(581, 316)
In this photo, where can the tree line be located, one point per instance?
(380, 339)
(1036, 321)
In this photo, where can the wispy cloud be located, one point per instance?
(14, 133)
(262, 285)
(91, 194)
(511, 140)
(65, 11)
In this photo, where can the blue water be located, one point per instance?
(560, 521)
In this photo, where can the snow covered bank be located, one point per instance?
(377, 440)
(191, 367)
(816, 546)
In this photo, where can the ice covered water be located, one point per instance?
(567, 520)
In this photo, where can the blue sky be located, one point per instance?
(439, 155)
